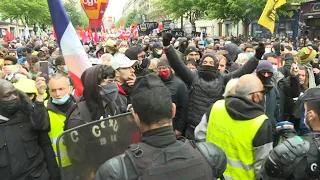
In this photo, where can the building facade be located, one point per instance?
(15, 27)
(310, 19)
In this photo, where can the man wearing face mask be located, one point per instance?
(277, 92)
(20, 125)
(298, 157)
(206, 86)
(179, 94)
(240, 127)
(249, 50)
(58, 105)
(156, 50)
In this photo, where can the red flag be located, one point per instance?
(54, 33)
(81, 32)
(8, 37)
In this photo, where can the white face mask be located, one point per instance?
(275, 69)
(159, 52)
(267, 50)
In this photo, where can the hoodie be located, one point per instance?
(240, 108)
(91, 96)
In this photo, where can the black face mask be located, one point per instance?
(265, 80)
(208, 73)
(9, 108)
(110, 92)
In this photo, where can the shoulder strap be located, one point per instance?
(84, 111)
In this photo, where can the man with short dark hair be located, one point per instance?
(160, 155)
(298, 157)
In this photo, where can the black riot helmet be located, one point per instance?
(215, 157)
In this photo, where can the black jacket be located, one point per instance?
(94, 106)
(203, 93)
(21, 154)
(158, 139)
(180, 96)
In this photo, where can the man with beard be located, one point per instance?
(179, 94)
(207, 85)
(298, 156)
(21, 156)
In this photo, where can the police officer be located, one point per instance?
(160, 155)
(298, 157)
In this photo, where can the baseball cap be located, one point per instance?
(121, 61)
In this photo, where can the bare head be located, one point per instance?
(251, 87)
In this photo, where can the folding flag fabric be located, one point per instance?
(26, 32)
(268, 16)
(8, 37)
(72, 50)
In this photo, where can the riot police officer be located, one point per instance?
(160, 155)
(298, 158)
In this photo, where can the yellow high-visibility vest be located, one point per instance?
(235, 137)
(57, 128)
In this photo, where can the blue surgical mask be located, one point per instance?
(250, 55)
(65, 69)
(61, 101)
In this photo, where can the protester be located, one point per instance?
(98, 100)
(207, 85)
(242, 112)
(125, 79)
(22, 157)
(59, 103)
(179, 95)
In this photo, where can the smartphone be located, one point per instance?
(13, 68)
(44, 69)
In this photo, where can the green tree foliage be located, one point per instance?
(134, 16)
(28, 11)
(78, 18)
(246, 11)
(189, 9)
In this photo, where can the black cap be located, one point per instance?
(313, 94)
(191, 49)
(147, 82)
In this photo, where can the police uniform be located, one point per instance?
(160, 155)
(297, 158)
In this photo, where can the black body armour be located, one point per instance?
(179, 161)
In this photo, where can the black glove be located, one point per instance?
(166, 38)
(260, 51)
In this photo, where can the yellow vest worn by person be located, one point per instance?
(235, 137)
(57, 128)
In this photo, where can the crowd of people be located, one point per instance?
(206, 109)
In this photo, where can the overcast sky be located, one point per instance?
(115, 8)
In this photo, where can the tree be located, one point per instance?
(241, 10)
(134, 16)
(28, 11)
(78, 18)
(189, 9)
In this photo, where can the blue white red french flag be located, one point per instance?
(70, 45)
